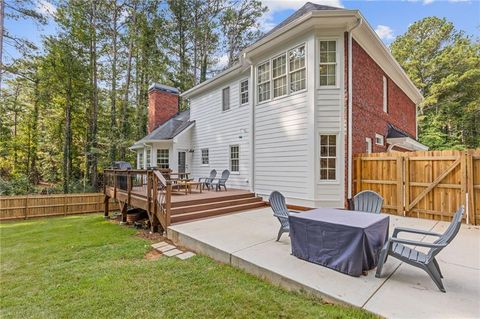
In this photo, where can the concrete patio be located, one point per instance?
(247, 240)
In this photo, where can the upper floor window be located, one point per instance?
(279, 75)
(328, 63)
(149, 158)
(297, 70)
(226, 99)
(162, 158)
(379, 139)
(328, 157)
(263, 81)
(244, 92)
(385, 94)
(235, 158)
(205, 159)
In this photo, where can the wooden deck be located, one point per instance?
(148, 190)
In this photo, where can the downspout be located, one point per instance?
(350, 95)
(251, 124)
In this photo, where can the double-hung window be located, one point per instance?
(162, 158)
(226, 99)
(263, 80)
(244, 92)
(140, 160)
(205, 159)
(235, 158)
(297, 69)
(279, 75)
(328, 157)
(149, 158)
(328, 63)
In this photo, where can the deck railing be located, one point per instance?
(147, 189)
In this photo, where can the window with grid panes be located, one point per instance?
(234, 158)
(328, 157)
(279, 75)
(297, 70)
(263, 80)
(226, 99)
(149, 158)
(205, 159)
(328, 63)
(140, 160)
(162, 158)
(244, 92)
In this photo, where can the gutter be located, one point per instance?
(350, 103)
(252, 125)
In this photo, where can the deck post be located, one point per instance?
(106, 201)
(123, 210)
(168, 203)
(129, 186)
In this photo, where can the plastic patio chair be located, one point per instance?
(398, 248)
(207, 181)
(367, 201)
(221, 182)
(280, 210)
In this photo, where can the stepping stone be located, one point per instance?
(160, 244)
(185, 255)
(165, 248)
(172, 252)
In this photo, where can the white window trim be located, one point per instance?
(337, 69)
(379, 136)
(337, 156)
(201, 156)
(240, 91)
(289, 92)
(157, 157)
(289, 72)
(230, 159)
(272, 97)
(369, 142)
(385, 94)
(229, 98)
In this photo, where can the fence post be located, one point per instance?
(399, 185)
(64, 205)
(470, 204)
(407, 185)
(26, 206)
(358, 174)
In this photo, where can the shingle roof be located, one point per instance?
(168, 130)
(307, 7)
(394, 132)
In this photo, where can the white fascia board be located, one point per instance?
(407, 143)
(223, 76)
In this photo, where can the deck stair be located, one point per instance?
(208, 207)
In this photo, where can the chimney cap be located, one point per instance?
(164, 88)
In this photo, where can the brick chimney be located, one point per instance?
(162, 104)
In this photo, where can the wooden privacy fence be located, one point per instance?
(424, 184)
(23, 207)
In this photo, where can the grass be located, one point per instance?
(86, 267)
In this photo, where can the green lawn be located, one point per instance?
(86, 267)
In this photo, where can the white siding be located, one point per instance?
(281, 147)
(217, 130)
(183, 143)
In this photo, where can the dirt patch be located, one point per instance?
(153, 255)
(154, 237)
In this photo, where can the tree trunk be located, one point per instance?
(113, 93)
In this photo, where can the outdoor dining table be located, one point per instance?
(343, 240)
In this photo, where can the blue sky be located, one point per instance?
(389, 18)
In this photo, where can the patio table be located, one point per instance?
(343, 240)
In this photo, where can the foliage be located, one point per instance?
(73, 267)
(445, 65)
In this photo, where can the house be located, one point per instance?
(318, 88)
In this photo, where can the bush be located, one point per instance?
(17, 185)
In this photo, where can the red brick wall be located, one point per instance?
(161, 106)
(367, 110)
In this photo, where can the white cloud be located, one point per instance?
(222, 62)
(384, 32)
(426, 2)
(45, 7)
(267, 23)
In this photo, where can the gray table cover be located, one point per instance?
(343, 240)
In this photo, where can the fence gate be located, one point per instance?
(425, 184)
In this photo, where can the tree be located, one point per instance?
(444, 64)
(240, 22)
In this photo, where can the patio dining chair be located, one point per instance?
(367, 201)
(398, 248)
(207, 181)
(221, 182)
(280, 210)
